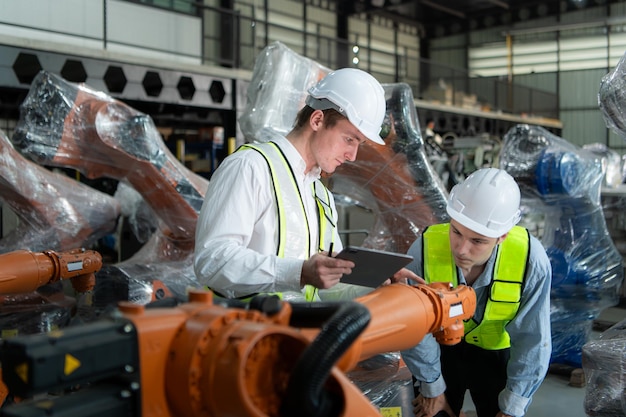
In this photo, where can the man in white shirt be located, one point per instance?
(267, 224)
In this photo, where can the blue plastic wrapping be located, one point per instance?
(561, 185)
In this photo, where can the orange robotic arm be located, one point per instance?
(205, 359)
(25, 271)
(70, 125)
(55, 211)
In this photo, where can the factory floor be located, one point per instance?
(556, 397)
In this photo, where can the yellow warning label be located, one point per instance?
(21, 370)
(391, 411)
(6, 333)
(71, 364)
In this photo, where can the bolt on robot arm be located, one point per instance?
(201, 358)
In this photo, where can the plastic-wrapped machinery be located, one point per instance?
(72, 126)
(604, 363)
(69, 125)
(604, 359)
(560, 186)
(396, 181)
(612, 98)
(55, 211)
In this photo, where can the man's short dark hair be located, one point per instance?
(331, 117)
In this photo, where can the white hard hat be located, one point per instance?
(355, 94)
(487, 202)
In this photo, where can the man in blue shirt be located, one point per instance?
(505, 353)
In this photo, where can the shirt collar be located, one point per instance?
(294, 158)
(485, 277)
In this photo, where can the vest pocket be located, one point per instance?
(489, 335)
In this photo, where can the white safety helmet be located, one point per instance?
(487, 202)
(355, 94)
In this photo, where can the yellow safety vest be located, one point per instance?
(296, 223)
(505, 291)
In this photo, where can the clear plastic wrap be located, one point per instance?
(604, 365)
(604, 359)
(72, 126)
(611, 163)
(139, 283)
(406, 193)
(560, 186)
(140, 217)
(35, 312)
(55, 212)
(386, 381)
(612, 98)
(395, 182)
(277, 90)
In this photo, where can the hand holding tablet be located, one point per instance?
(372, 266)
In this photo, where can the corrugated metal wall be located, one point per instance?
(577, 89)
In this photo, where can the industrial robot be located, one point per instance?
(560, 184)
(30, 303)
(72, 126)
(54, 211)
(208, 358)
(69, 125)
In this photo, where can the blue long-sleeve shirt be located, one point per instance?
(531, 344)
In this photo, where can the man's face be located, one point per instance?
(336, 145)
(469, 248)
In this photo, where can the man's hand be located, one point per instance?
(403, 276)
(429, 407)
(323, 271)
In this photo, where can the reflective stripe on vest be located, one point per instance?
(505, 291)
(296, 224)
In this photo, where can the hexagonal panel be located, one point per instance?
(217, 91)
(26, 67)
(185, 88)
(152, 84)
(115, 79)
(74, 71)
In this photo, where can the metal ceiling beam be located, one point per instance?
(444, 9)
(615, 21)
(499, 3)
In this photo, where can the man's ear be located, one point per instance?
(316, 121)
(501, 238)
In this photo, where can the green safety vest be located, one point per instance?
(505, 291)
(297, 224)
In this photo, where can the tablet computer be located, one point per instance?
(372, 267)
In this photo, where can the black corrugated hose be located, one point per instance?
(305, 396)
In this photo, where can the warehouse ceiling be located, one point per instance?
(438, 18)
